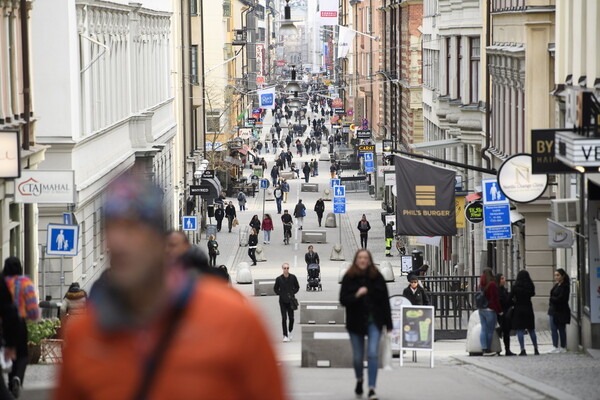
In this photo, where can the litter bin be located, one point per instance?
(372, 190)
(50, 308)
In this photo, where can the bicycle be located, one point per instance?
(401, 244)
(287, 232)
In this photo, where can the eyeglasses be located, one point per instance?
(286, 268)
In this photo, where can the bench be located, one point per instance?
(314, 236)
(264, 287)
(309, 187)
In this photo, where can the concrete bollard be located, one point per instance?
(269, 195)
(385, 267)
(327, 194)
(260, 253)
(243, 275)
(330, 221)
(336, 253)
(343, 268)
(324, 156)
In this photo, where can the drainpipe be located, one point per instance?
(488, 36)
(203, 80)
(27, 208)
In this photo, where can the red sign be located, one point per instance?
(329, 14)
(260, 80)
(280, 63)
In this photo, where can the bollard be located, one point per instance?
(343, 268)
(330, 221)
(336, 253)
(260, 253)
(327, 194)
(243, 275)
(385, 267)
(269, 195)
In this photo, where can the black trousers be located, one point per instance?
(320, 218)
(252, 254)
(287, 313)
(505, 329)
(212, 259)
(363, 240)
(20, 364)
(219, 224)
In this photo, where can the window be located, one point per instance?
(213, 121)
(369, 17)
(193, 7)
(474, 60)
(458, 66)
(194, 65)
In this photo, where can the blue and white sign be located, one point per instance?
(190, 223)
(369, 167)
(492, 193)
(62, 240)
(498, 233)
(339, 200)
(339, 191)
(496, 220)
(339, 208)
(368, 156)
(67, 219)
(264, 183)
(266, 98)
(334, 182)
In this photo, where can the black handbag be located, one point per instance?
(294, 302)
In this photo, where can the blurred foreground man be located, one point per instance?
(151, 336)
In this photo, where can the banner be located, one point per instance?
(346, 36)
(425, 204)
(429, 240)
(328, 12)
(559, 236)
(266, 98)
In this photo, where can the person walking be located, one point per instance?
(306, 171)
(73, 303)
(213, 250)
(488, 315)
(414, 292)
(523, 317)
(8, 333)
(252, 243)
(241, 198)
(315, 165)
(364, 227)
(559, 312)
(332, 170)
(255, 223)
(278, 194)
(311, 257)
(286, 287)
(300, 213)
(267, 226)
(389, 238)
(365, 296)
(219, 215)
(25, 300)
(230, 214)
(287, 221)
(320, 209)
(274, 174)
(285, 186)
(506, 304)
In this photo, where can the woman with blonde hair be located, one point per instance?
(213, 250)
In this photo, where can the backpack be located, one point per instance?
(481, 302)
(241, 196)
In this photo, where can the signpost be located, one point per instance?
(369, 163)
(334, 182)
(496, 211)
(189, 223)
(264, 185)
(62, 240)
(339, 204)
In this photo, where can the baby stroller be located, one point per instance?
(314, 277)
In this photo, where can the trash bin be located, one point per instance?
(50, 308)
(372, 190)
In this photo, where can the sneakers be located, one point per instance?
(358, 390)
(489, 353)
(290, 336)
(562, 350)
(554, 350)
(286, 339)
(372, 395)
(16, 387)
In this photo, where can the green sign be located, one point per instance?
(474, 212)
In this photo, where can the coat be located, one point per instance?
(230, 211)
(312, 258)
(298, 210)
(255, 223)
(319, 207)
(219, 214)
(252, 241)
(523, 316)
(389, 231)
(419, 298)
(267, 224)
(364, 228)
(286, 288)
(212, 247)
(559, 303)
(375, 303)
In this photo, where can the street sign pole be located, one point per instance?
(264, 200)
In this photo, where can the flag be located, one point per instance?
(430, 240)
(425, 204)
(328, 12)
(266, 98)
(345, 38)
(559, 236)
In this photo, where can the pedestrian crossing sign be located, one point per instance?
(339, 191)
(335, 182)
(190, 223)
(62, 240)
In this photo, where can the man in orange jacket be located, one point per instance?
(152, 332)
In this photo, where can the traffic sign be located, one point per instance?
(339, 208)
(492, 193)
(368, 156)
(339, 200)
(190, 223)
(369, 167)
(498, 233)
(334, 182)
(496, 215)
(339, 191)
(264, 183)
(62, 240)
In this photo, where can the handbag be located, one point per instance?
(294, 302)
(235, 222)
(5, 363)
(217, 252)
(303, 212)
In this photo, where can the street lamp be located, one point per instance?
(287, 27)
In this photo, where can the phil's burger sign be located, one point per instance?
(49, 187)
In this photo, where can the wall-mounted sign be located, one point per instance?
(577, 151)
(208, 174)
(366, 148)
(459, 203)
(543, 152)
(51, 187)
(474, 212)
(10, 156)
(517, 181)
(363, 134)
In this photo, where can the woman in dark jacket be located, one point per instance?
(364, 294)
(503, 319)
(415, 293)
(489, 315)
(252, 243)
(523, 317)
(320, 209)
(559, 311)
(213, 250)
(306, 170)
(255, 224)
(364, 227)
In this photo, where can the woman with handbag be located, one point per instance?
(504, 318)
(364, 293)
(252, 243)
(286, 287)
(213, 251)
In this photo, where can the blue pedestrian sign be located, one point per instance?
(264, 183)
(339, 200)
(492, 193)
(339, 191)
(62, 240)
(190, 223)
(368, 156)
(339, 208)
(369, 167)
(334, 182)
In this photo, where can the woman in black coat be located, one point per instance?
(252, 243)
(523, 317)
(559, 311)
(364, 294)
(255, 224)
(320, 209)
(504, 319)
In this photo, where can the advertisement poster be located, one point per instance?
(417, 324)
(396, 304)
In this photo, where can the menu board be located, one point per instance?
(396, 304)
(417, 324)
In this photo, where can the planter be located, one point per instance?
(34, 351)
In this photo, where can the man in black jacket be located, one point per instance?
(219, 215)
(230, 214)
(415, 293)
(389, 238)
(311, 257)
(286, 286)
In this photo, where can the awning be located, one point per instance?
(473, 196)
(215, 187)
(434, 144)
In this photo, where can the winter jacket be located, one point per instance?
(298, 210)
(255, 223)
(418, 298)
(374, 304)
(523, 316)
(389, 231)
(252, 241)
(267, 224)
(219, 214)
(504, 298)
(559, 303)
(312, 258)
(9, 316)
(74, 302)
(212, 247)
(491, 294)
(285, 288)
(364, 227)
(306, 169)
(22, 291)
(320, 207)
(230, 211)
(286, 219)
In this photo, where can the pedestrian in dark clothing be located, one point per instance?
(300, 213)
(213, 251)
(320, 209)
(274, 174)
(241, 197)
(286, 286)
(364, 227)
(230, 214)
(504, 318)
(559, 312)
(365, 295)
(252, 243)
(332, 169)
(312, 257)
(415, 293)
(523, 317)
(489, 315)
(10, 331)
(219, 215)
(255, 223)
(389, 238)
(306, 170)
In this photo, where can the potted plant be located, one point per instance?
(38, 331)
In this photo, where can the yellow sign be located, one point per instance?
(425, 195)
(459, 202)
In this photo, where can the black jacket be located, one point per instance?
(504, 297)
(286, 218)
(523, 316)
(306, 170)
(298, 210)
(312, 258)
(559, 303)
(364, 229)
(389, 231)
(252, 240)
(376, 303)
(9, 315)
(319, 207)
(255, 223)
(230, 211)
(285, 288)
(419, 298)
(219, 214)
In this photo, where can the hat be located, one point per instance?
(412, 277)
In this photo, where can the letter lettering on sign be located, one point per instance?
(586, 153)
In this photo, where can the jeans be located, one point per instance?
(306, 176)
(521, 337)
(219, 224)
(212, 259)
(358, 351)
(287, 312)
(488, 324)
(267, 236)
(558, 331)
(242, 206)
(278, 201)
(363, 240)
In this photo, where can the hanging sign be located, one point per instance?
(474, 212)
(517, 181)
(51, 187)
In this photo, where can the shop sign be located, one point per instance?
(366, 148)
(543, 153)
(10, 156)
(474, 212)
(517, 181)
(49, 187)
(577, 151)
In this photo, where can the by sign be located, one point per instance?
(544, 155)
(517, 181)
(62, 240)
(10, 156)
(49, 187)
